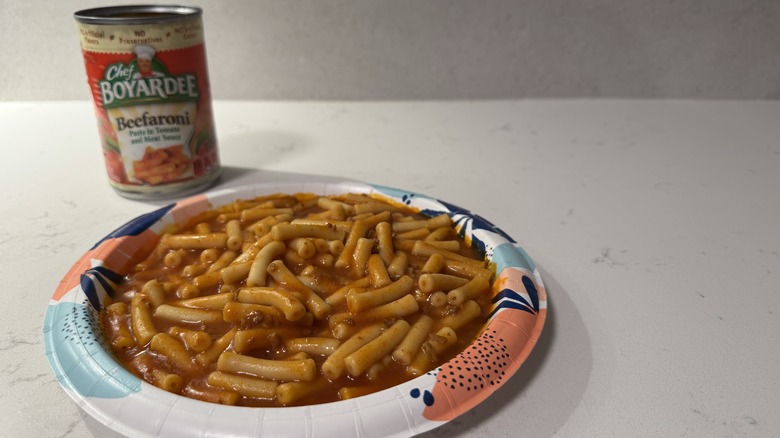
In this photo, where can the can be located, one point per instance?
(147, 72)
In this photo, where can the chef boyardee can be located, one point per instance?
(146, 68)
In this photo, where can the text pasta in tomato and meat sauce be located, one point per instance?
(287, 300)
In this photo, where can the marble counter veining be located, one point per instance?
(654, 225)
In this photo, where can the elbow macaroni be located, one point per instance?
(290, 300)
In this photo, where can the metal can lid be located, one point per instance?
(137, 14)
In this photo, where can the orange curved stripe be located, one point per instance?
(519, 331)
(515, 330)
(118, 255)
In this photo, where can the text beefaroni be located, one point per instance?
(149, 120)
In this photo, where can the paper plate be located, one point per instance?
(78, 354)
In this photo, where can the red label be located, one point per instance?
(152, 100)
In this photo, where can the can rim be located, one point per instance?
(118, 14)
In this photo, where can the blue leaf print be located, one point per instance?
(102, 275)
(478, 222)
(512, 295)
(105, 272)
(509, 299)
(138, 225)
(510, 305)
(530, 287)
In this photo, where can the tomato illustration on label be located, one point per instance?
(114, 166)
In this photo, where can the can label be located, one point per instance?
(149, 83)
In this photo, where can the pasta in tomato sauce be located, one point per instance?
(287, 300)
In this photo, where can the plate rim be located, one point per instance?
(149, 391)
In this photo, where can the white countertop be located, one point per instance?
(655, 224)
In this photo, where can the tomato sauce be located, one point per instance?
(142, 361)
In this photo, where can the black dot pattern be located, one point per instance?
(82, 324)
(481, 365)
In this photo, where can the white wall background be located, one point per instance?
(435, 49)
